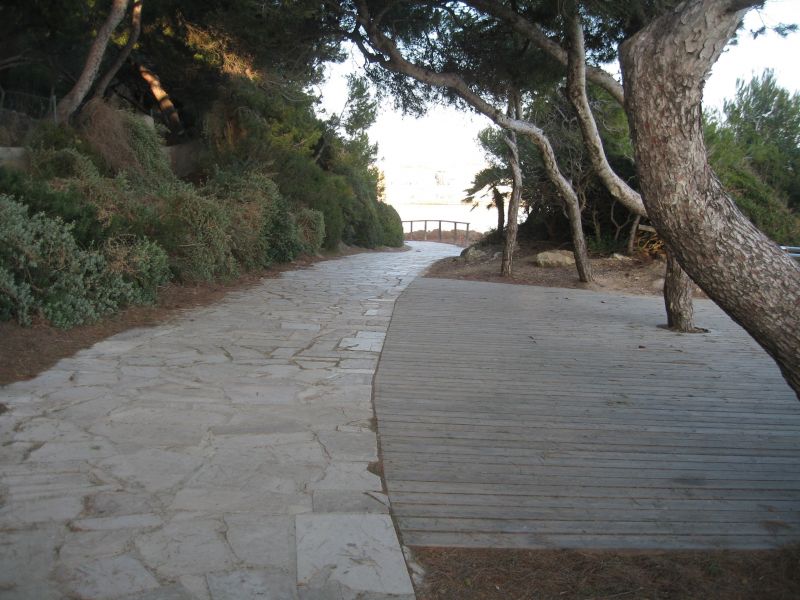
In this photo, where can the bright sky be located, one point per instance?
(430, 161)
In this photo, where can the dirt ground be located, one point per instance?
(27, 351)
(461, 574)
(469, 574)
(641, 275)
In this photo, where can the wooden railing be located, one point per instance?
(438, 233)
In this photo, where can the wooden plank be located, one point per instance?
(782, 520)
(609, 541)
(594, 527)
(456, 500)
(565, 418)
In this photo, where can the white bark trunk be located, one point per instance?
(133, 37)
(69, 103)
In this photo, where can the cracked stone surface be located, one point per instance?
(221, 455)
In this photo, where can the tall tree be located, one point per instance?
(133, 37)
(765, 119)
(664, 67)
(514, 111)
(379, 48)
(69, 103)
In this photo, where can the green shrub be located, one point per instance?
(262, 230)
(391, 226)
(310, 229)
(148, 148)
(142, 263)
(44, 270)
(52, 163)
(194, 230)
(66, 203)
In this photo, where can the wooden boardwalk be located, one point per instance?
(527, 417)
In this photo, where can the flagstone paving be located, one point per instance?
(222, 455)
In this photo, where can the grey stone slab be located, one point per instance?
(351, 555)
(117, 522)
(83, 547)
(232, 500)
(169, 592)
(352, 476)
(252, 585)
(350, 445)
(40, 510)
(263, 540)
(186, 547)
(158, 425)
(347, 501)
(110, 578)
(88, 450)
(155, 470)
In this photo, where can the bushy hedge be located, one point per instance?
(262, 230)
(391, 226)
(100, 221)
(311, 230)
(43, 271)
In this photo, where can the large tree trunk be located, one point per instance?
(678, 293)
(664, 68)
(678, 297)
(133, 37)
(69, 103)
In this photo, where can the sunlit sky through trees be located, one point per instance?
(428, 162)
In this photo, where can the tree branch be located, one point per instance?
(533, 32)
(133, 37)
(576, 90)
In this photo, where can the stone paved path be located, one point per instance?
(220, 456)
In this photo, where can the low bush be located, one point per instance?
(142, 263)
(126, 143)
(71, 206)
(42, 270)
(310, 229)
(262, 229)
(195, 232)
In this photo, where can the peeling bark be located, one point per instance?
(632, 235)
(500, 205)
(664, 68)
(69, 103)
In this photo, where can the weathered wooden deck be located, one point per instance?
(516, 416)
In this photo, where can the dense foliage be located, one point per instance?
(755, 151)
(605, 220)
(754, 148)
(271, 178)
